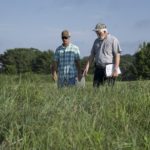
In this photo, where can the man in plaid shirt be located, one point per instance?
(67, 61)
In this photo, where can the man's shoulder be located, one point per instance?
(97, 40)
(112, 38)
(74, 46)
(59, 48)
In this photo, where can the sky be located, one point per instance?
(39, 23)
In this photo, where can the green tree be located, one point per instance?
(142, 61)
(19, 59)
(9, 69)
(128, 68)
(44, 62)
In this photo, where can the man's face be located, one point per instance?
(66, 40)
(101, 35)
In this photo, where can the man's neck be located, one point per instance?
(65, 45)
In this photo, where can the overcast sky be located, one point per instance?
(39, 23)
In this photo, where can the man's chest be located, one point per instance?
(66, 55)
(104, 46)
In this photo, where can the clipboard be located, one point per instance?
(110, 68)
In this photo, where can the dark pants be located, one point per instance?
(62, 82)
(100, 78)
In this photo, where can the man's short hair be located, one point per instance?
(65, 33)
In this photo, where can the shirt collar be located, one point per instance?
(66, 47)
(107, 36)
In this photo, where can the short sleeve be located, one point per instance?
(93, 50)
(56, 55)
(116, 46)
(77, 54)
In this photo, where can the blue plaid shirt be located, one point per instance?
(66, 58)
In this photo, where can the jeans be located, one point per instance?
(100, 78)
(66, 82)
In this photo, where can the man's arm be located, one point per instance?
(79, 69)
(117, 61)
(90, 60)
(55, 71)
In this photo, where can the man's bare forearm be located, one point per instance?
(79, 66)
(90, 60)
(55, 67)
(117, 60)
(55, 71)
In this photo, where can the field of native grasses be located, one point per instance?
(36, 115)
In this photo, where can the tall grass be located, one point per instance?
(35, 115)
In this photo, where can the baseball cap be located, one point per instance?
(65, 33)
(100, 26)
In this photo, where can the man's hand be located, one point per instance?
(115, 73)
(90, 59)
(86, 71)
(55, 70)
(55, 77)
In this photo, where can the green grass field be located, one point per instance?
(35, 115)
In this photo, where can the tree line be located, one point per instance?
(22, 60)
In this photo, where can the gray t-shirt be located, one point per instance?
(105, 50)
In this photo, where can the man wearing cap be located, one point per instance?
(67, 61)
(106, 50)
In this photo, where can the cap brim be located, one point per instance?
(66, 36)
(104, 29)
(96, 30)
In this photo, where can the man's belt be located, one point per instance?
(100, 67)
